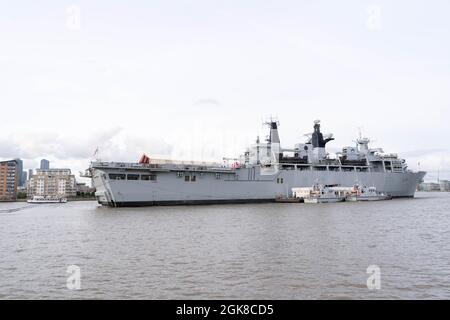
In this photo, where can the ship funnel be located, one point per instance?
(274, 137)
(317, 138)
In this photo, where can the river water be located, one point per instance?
(254, 251)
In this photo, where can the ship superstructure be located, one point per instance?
(265, 172)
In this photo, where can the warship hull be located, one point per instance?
(264, 173)
(241, 185)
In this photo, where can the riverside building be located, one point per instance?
(52, 182)
(9, 179)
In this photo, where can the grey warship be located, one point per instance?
(264, 173)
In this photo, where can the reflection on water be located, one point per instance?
(273, 251)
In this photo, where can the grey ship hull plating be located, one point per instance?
(242, 185)
(265, 172)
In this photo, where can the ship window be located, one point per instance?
(218, 175)
(281, 180)
(388, 165)
(116, 176)
(179, 174)
(132, 177)
(186, 178)
(193, 178)
(148, 177)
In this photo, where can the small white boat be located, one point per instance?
(324, 194)
(47, 199)
(363, 193)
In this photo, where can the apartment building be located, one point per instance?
(9, 179)
(52, 182)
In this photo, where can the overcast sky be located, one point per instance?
(194, 79)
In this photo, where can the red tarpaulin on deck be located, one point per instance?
(144, 159)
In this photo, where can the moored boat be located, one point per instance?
(324, 194)
(47, 199)
(364, 193)
(288, 200)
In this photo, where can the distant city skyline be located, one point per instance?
(194, 80)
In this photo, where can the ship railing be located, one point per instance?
(336, 167)
(163, 163)
(388, 156)
(184, 162)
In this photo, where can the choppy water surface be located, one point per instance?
(273, 251)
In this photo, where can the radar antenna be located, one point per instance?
(359, 132)
(361, 139)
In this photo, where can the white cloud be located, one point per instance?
(194, 81)
(76, 150)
